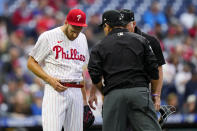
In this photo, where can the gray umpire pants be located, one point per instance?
(132, 106)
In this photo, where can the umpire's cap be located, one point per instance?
(76, 17)
(112, 18)
(128, 15)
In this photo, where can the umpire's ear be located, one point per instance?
(134, 24)
(107, 29)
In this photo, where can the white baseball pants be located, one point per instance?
(63, 109)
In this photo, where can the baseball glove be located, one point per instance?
(165, 111)
(88, 117)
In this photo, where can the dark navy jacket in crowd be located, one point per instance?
(124, 60)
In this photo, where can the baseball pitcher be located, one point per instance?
(59, 58)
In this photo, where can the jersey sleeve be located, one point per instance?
(155, 44)
(41, 49)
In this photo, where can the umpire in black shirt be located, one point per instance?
(156, 85)
(126, 63)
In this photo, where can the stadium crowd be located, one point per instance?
(22, 21)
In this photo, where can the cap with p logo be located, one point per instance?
(76, 17)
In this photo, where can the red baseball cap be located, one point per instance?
(76, 17)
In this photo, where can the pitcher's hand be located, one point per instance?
(55, 83)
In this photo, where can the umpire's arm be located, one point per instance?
(151, 64)
(151, 67)
(156, 85)
(95, 67)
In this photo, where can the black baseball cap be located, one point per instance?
(128, 15)
(112, 18)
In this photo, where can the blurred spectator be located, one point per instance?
(181, 78)
(11, 67)
(22, 15)
(29, 44)
(179, 31)
(1, 104)
(93, 23)
(17, 38)
(1, 98)
(187, 49)
(59, 18)
(172, 100)
(88, 1)
(171, 41)
(170, 17)
(90, 38)
(170, 68)
(154, 15)
(190, 106)
(190, 86)
(11, 61)
(36, 85)
(193, 29)
(187, 18)
(194, 60)
(45, 22)
(21, 105)
(62, 6)
(39, 8)
(158, 31)
(169, 72)
(37, 103)
(71, 3)
(3, 37)
(9, 90)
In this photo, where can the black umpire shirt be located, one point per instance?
(155, 44)
(124, 60)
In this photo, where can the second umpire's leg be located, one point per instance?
(134, 104)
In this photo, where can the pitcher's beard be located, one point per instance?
(67, 34)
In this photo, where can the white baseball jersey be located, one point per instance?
(62, 59)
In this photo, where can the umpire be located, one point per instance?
(127, 63)
(156, 85)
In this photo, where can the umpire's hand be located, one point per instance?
(157, 102)
(92, 99)
(55, 83)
